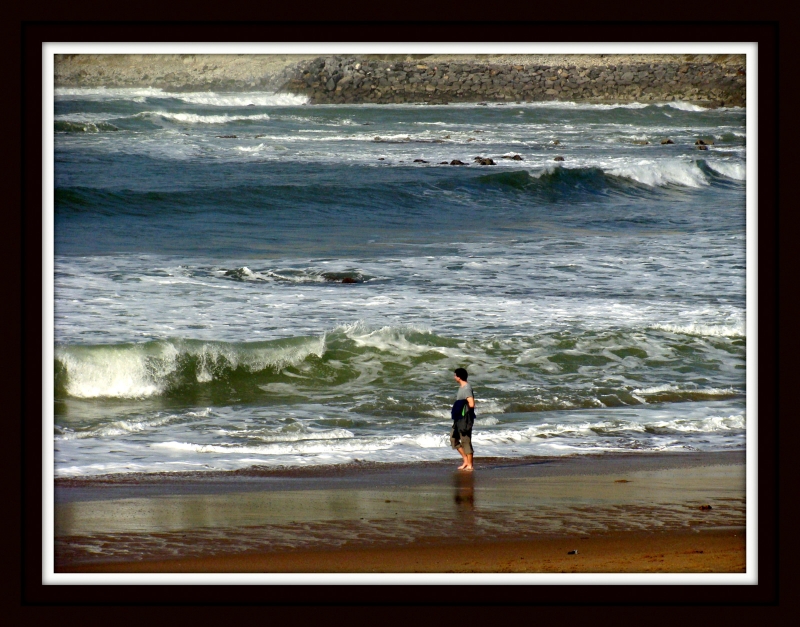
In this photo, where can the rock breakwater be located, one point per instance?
(354, 80)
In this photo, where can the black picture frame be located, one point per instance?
(773, 242)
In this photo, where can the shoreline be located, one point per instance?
(412, 471)
(404, 518)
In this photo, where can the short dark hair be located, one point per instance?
(461, 373)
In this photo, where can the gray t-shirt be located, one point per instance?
(464, 392)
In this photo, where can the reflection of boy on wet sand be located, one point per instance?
(464, 497)
(461, 433)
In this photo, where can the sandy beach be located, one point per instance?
(621, 513)
(718, 551)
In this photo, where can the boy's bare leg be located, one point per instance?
(467, 462)
(464, 456)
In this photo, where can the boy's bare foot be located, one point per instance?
(467, 468)
(462, 466)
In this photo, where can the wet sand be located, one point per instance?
(622, 513)
(721, 551)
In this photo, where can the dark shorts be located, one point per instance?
(461, 439)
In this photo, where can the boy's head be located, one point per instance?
(461, 373)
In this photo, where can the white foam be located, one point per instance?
(254, 359)
(253, 149)
(537, 174)
(181, 446)
(657, 173)
(340, 441)
(531, 434)
(141, 371)
(84, 117)
(710, 424)
(119, 428)
(671, 388)
(390, 339)
(121, 372)
(655, 390)
(686, 106)
(333, 434)
(733, 170)
(722, 330)
(193, 118)
(553, 104)
(401, 137)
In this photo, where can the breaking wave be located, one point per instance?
(155, 368)
(64, 126)
(194, 118)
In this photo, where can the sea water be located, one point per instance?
(243, 279)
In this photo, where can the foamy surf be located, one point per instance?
(192, 118)
(731, 169)
(179, 445)
(153, 368)
(685, 106)
(662, 172)
(737, 330)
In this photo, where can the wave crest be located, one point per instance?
(732, 170)
(154, 368)
(661, 173)
(195, 118)
(66, 126)
(624, 179)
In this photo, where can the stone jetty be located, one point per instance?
(345, 80)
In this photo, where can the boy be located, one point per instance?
(461, 433)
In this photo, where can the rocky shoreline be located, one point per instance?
(711, 81)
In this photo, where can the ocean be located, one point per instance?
(245, 280)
